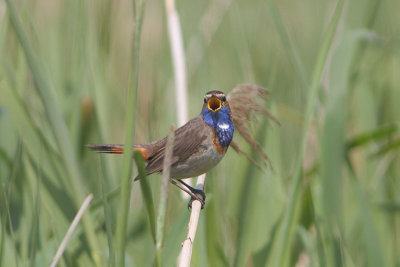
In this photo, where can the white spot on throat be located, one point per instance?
(223, 126)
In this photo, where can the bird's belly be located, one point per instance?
(199, 163)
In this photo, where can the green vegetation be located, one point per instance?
(331, 197)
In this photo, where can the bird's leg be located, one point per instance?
(197, 196)
(193, 190)
(198, 192)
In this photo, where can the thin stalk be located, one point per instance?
(178, 59)
(175, 37)
(187, 246)
(71, 230)
(162, 207)
(129, 130)
(289, 220)
(179, 64)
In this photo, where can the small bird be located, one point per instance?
(199, 145)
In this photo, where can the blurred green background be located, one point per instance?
(336, 204)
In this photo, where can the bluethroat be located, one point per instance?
(199, 145)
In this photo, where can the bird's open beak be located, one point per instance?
(214, 104)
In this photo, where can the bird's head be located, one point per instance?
(214, 101)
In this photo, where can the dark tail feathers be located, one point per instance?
(119, 149)
(111, 149)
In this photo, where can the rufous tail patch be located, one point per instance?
(117, 150)
(145, 153)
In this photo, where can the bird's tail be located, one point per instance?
(118, 149)
(104, 148)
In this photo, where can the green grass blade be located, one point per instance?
(392, 145)
(5, 159)
(295, 195)
(246, 208)
(109, 222)
(390, 206)
(373, 247)
(25, 110)
(146, 192)
(215, 254)
(129, 130)
(162, 207)
(175, 236)
(287, 43)
(107, 197)
(34, 233)
(373, 8)
(6, 190)
(3, 232)
(57, 122)
(333, 149)
(261, 257)
(374, 135)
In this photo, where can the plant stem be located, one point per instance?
(162, 208)
(129, 130)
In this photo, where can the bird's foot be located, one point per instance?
(197, 195)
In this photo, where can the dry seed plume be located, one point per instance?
(246, 101)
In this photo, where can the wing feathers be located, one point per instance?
(188, 139)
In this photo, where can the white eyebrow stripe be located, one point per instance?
(223, 126)
(215, 94)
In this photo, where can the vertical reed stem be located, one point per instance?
(178, 57)
(129, 130)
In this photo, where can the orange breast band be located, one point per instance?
(220, 149)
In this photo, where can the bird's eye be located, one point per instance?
(224, 98)
(205, 100)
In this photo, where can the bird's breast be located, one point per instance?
(222, 126)
(220, 149)
(200, 162)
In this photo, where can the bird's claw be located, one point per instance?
(197, 195)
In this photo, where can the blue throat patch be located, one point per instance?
(222, 124)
